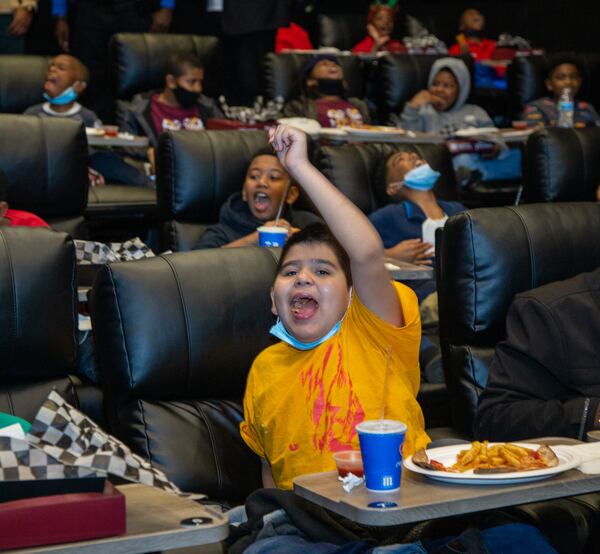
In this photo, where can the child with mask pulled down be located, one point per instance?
(338, 315)
(65, 81)
(324, 95)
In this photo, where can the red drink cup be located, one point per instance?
(349, 461)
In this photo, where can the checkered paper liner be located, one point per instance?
(63, 442)
(19, 461)
(89, 252)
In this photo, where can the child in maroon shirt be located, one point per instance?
(324, 97)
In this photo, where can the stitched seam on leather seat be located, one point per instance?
(145, 425)
(15, 316)
(118, 307)
(530, 243)
(186, 320)
(74, 306)
(474, 269)
(213, 446)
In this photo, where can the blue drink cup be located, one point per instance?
(381, 447)
(272, 237)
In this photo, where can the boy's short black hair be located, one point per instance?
(380, 173)
(318, 233)
(553, 61)
(264, 151)
(179, 62)
(3, 187)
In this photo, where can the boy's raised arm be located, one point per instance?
(349, 225)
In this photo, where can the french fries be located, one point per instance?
(507, 456)
(498, 458)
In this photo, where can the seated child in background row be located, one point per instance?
(471, 39)
(179, 106)
(264, 186)
(380, 26)
(324, 95)
(15, 218)
(66, 79)
(338, 316)
(407, 227)
(562, 73)
(441, 108)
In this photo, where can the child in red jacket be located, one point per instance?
(15, 218)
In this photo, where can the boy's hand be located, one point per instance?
(413, 251)
(20, 22)
(283, 223)
(290, 145)
(420, 99)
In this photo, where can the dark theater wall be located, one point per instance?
(550, 24)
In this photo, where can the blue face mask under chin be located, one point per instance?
(65, 97)
(279, 331)
(421, 177)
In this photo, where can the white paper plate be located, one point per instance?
(447, 456)
(476, 131)
(93, 132)
(381, 131)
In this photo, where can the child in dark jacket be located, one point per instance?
(265, 184)
(179, 106)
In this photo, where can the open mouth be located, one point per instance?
(262, 202)
(49, 83)
(303, 306)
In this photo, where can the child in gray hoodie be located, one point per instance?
(441, 108)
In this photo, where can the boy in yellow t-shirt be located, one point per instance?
(338, 316)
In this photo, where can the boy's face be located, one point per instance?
(565, 75)
(444, 89)
(383, 22)
(397, 167)
(472, 20)
(264, 187)
(327, 69)
(191, 80)
(63, 72)
(310, 293)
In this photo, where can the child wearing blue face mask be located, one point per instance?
(339, 314)
(66, 79)
(407, 227)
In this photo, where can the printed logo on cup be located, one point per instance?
(388, 481)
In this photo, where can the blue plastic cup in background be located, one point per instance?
(381, 447)
(272, 237)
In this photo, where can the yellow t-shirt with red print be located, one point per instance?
(302, 406)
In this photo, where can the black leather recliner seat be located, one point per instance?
(196, 173)
(45, 161)
(485, 258)
(21, 82)
(38, 324)
(175, 338)
(562, 165)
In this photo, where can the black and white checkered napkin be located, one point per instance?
(63, 442)
(89, 252)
